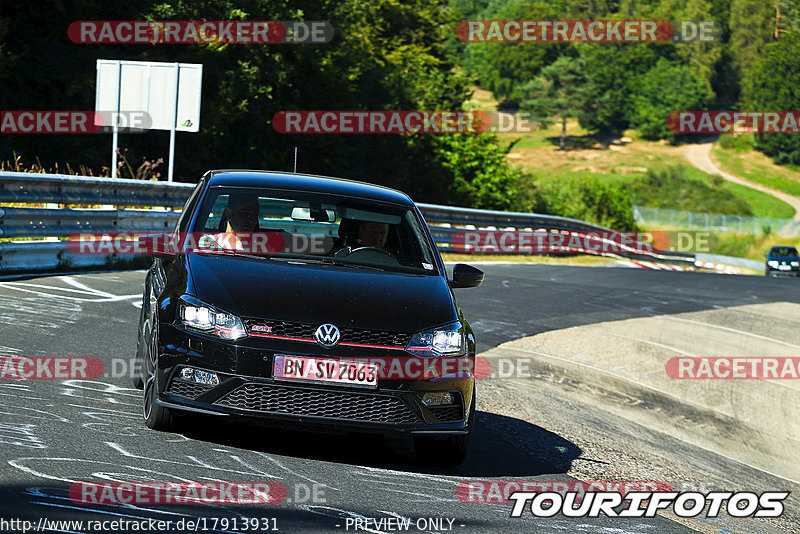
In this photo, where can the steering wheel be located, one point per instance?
(368, 254)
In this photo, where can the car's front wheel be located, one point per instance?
(136, 372)
(155, 416)
(447, 451)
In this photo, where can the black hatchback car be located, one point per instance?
(782, 261)
(308, 302)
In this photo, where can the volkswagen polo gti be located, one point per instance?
(308, 302)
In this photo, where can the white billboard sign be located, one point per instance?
(168, 92)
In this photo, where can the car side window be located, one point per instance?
(188, 208)
(214, 220)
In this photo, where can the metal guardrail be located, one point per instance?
(41, 222)
(26, 187)
(502, 219)
(47, 256)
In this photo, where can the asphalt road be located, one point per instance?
(54, 433)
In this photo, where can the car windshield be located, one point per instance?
(784, 251)
(315, 227)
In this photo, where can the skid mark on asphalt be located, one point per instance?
(44, 314)
(49, 307)
(281, 465)
(60, 292)
(21, 435)
(95, 470)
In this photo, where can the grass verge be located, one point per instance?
(757, 167)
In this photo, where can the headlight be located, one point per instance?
(772, 263)
(795, 264)
(205, 318)
(443, 341)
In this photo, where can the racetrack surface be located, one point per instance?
(54, 433)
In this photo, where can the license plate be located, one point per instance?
(328, 370)
(784, 267)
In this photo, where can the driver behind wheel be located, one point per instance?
(355, 235)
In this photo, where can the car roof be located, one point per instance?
(306, 182)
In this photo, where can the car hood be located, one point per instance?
(313, 293)
(783, 258)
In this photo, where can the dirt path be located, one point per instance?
(699, 155)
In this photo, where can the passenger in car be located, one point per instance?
(241, 213)
(372, 234)
(355, 234)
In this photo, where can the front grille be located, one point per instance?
(446, 414)
(283, 328)
(347, 405)
(372, 337)
(349, 335)
(185, 388)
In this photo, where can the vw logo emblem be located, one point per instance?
(327, 335)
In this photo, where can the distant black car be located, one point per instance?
(287, 334)
(782, 261)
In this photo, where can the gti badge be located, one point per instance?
(327, 335)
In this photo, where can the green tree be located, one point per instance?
(588, 199)
(752, 25)
(787, 15)
(500, 67)
(562, 90)
(775, 86)
(481, 175)
(385, 55)
(590, 9)
(663, 89)
(615, 70)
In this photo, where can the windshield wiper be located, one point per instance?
(327, 261)
(231, 252)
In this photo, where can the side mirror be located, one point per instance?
(466, 276)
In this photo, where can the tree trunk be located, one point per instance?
(563, 133)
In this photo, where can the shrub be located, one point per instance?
(588, 199)
(674, 188)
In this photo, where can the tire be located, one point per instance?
(136, 380)
(447, 451)
(155, 417)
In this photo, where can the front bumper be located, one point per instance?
(770, 271)
(247, 390)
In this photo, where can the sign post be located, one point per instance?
(169, 93)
